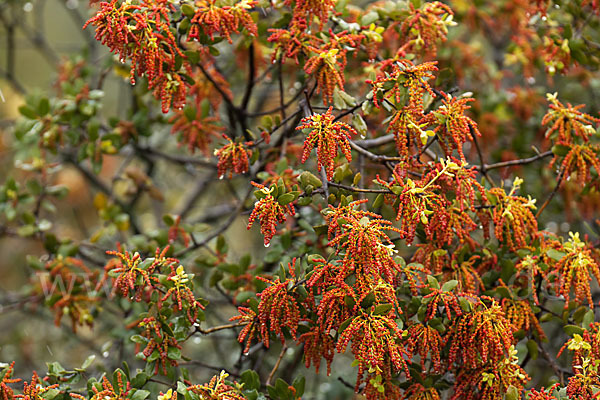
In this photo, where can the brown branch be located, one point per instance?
(521, 161)
(372, 156)
(250, 84)
(367, 143)
(198, 191)
(217, 328)
(557, 370)
(281, 91)
(482, 167)
(278, 108)
(359, 190)
(220, 230)
(276, 366)
(561, 176)
(224, 95)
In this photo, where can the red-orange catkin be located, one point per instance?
(326, 134)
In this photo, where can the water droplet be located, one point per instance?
(267, 244)
(245, 354)
(408, 245)
(221, 177)
(480, 226)
(105, 354)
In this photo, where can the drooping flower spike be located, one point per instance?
(326, 134)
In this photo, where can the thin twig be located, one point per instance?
(482, 167)
(219, 231)
(372, 156)
(281, 91)
(379, 141)
(359, 190)
(552, 363)
(274, 370)
(521, 161)
(217, 328)
(561, 176)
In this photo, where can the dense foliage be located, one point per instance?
(424, 177)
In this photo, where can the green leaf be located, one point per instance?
(382, 309)
(174, 353)
(555, 254)
(138, 339)
(349, 301)
(588, 318)
(449, 286)
(28, 112)
(503, 292)
(168, 220)
(187, 78)
(299, 384)
(26, 230)
(345, 324)
(50, 394)
(250, 379)
(546, 317)
(192, 56)
(433, 283)
(153, 357)
(464, 304)
(338, 100)
(181, 388)
(188, 10)
(359, 124)
(88, 361)
(43, 107)
(573, 329)
(140, 394)
(243, 296)
(267, 122)
(378, 202)
(512, 393)
(532, 348)
(286, 199)
(139, 380)
(304, 201)
(272, 392)
(368, 300)
(281, 387)
(560, 150)
(307, 178)
(369, 18)
(221, 244)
